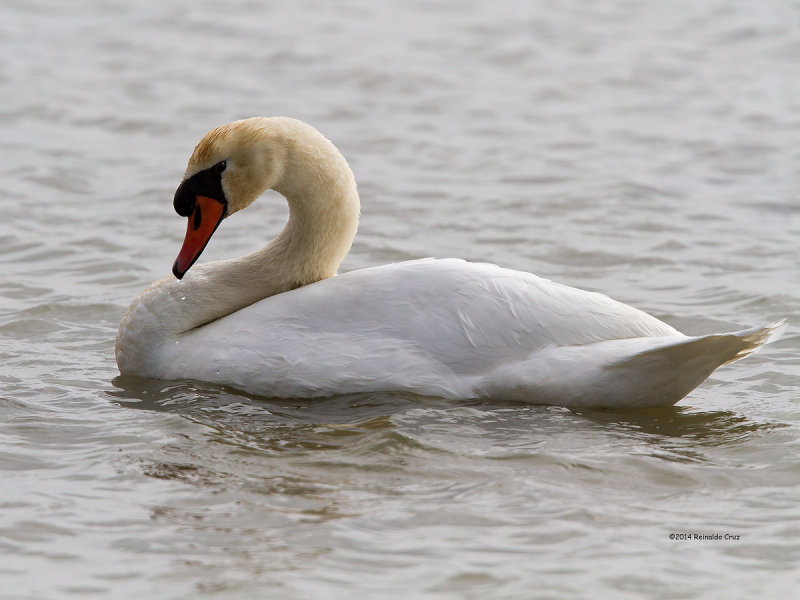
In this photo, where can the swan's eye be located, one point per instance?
(220, 166)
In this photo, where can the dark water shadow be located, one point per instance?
(278, 425)
(705, 428)
(206, 402)
(186, 396)
(265, 423)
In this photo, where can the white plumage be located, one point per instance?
(444, 328)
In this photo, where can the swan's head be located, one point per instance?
(230, 167)
(235, 163)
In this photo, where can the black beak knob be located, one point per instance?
(184, 200)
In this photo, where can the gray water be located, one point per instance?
(646, 150)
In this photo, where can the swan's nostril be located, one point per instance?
(198, 218)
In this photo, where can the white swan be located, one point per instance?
(278, 323)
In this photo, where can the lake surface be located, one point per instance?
(645, 150)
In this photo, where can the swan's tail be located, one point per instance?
(752, 339)
(634, 372)
(664, 374)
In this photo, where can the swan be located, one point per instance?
(280, 322)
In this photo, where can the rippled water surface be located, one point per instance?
(646, 150)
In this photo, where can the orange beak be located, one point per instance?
(203, 222)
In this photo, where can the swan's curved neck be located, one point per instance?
(323, 217)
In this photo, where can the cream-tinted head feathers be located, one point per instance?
(264, 153)
(254, 151)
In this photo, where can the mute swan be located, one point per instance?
(277, 322)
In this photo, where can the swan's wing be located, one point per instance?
(483, 304)
(443, 318)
